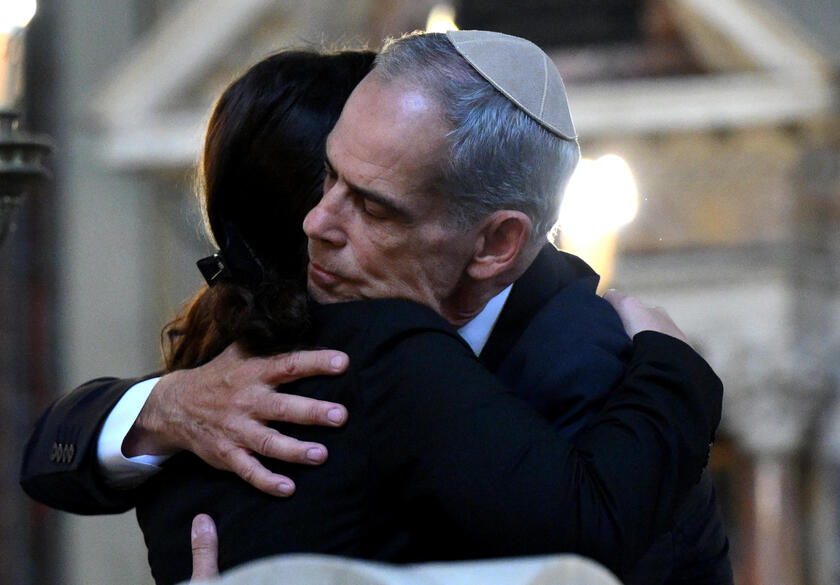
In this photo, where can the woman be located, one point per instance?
(395, 488)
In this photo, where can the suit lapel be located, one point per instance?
(549, 272)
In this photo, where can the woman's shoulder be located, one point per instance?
(376, 324)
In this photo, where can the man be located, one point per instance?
(442, 177)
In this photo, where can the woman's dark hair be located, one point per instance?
(262, 171)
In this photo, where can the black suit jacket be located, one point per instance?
(551, 311)
(438, 461)
(60, 466)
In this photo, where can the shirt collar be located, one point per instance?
(477, 332)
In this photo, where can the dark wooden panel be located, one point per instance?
(557, 23)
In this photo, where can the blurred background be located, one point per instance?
(711, 186)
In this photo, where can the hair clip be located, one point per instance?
(235, 261)
(213, 269)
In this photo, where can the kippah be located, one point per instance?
(522, 72)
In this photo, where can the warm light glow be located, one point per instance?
(600, 198)
(441, 18)
(16, 14)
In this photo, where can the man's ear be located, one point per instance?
(503, 238)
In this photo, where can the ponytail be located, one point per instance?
(270, 318)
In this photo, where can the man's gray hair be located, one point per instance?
(499, 157)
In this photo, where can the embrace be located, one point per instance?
(477, 397)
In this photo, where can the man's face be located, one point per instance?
(380, 229)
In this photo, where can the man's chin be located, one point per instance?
(326, 297)
(318, 295)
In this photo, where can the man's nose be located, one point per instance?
(323, 221)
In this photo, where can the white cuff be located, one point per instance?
(118, 470)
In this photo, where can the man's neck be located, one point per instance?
(459, 309)
(469, 296)
(477, 331)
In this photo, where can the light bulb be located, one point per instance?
(600, 198)
(16, 14)
(441, 18)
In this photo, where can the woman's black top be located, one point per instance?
(439, 461)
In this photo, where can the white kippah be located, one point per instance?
(522, 72)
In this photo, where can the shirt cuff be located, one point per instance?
(120, 471)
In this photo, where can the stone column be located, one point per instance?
(816, 274)
(770, 522)
(772, 415)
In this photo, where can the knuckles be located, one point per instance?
(225, 452)
(267, 445)
(280, 408)
(315, 414)
(290, 365)
(248, 472)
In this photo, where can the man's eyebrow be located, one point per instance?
(380, 199)
(383, 200)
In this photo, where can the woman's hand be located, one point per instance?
(205, 549)
(637, 317)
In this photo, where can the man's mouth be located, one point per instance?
(320, 276)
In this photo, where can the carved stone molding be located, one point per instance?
(774, 341)
(775, 402)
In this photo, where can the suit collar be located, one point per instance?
(550, 271)
(477, 331)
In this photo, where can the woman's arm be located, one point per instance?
(469, 454)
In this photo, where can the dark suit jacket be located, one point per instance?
(60, 467)
(438, 461)
(552, 311)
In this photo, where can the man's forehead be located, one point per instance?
(415, 101)
(399, 100)
(388, 123)
(398, 167)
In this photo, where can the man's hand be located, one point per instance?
(219, 412)
(637, 317)
(205, 549)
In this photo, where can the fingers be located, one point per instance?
(617, 299)
(637, 317)
(301, 410)
(219, 410)
(271, 443)
(251, 470)
(288, 367)
(205, 548)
